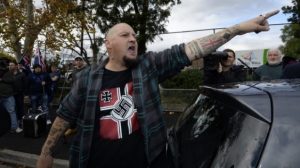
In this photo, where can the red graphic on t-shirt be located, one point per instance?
(108, 98)
(122, 118)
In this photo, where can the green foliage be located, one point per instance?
(291, 33)
(294, 10)
(187, 79)
(21, 23)
(148, 18)
(4, 55)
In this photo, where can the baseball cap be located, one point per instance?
(78, 57)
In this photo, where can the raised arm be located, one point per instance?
(199, 48)
(57, 130)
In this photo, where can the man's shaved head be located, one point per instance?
(121, 45)
(113, 30)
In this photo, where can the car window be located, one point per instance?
(215, 134)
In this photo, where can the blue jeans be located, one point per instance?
(10, 106)
(40, 100)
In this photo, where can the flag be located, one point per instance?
(38, 59)
(25, 61)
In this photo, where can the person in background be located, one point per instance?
(38, 83)
(19, 85)
(79, 64)
(287, 60)
(117, 106)
(272, 69)
(7, 100)
(224, 70)
(291, 71)
(26, 70)
(54, 76)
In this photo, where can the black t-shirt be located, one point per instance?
(118, 141)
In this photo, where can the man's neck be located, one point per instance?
(115, 67)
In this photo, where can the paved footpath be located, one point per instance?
(17, 159)
(23, 151)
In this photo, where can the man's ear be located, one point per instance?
(107, 44)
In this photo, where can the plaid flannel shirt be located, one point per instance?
(80, 104)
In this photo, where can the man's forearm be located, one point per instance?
(201, 47)
(57, 130)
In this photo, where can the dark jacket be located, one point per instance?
(291, 71)
(6, 85)
(20, 83)
(53, 84)
(35, 86)
(235, 74)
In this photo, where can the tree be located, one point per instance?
(80, 22)
(21, 23)
(148, 18)
(6, 56)
(291, 33)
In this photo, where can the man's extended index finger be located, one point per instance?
(267, 15)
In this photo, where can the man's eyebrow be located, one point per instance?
(124, 32)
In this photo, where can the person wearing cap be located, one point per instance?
(78, 64)
(38, 83)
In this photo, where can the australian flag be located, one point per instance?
(38, 59)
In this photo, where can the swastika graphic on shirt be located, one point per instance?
(122, 119)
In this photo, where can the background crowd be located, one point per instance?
(18, 82)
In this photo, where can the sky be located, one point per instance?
(206, 14)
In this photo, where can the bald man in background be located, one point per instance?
(116, 105)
